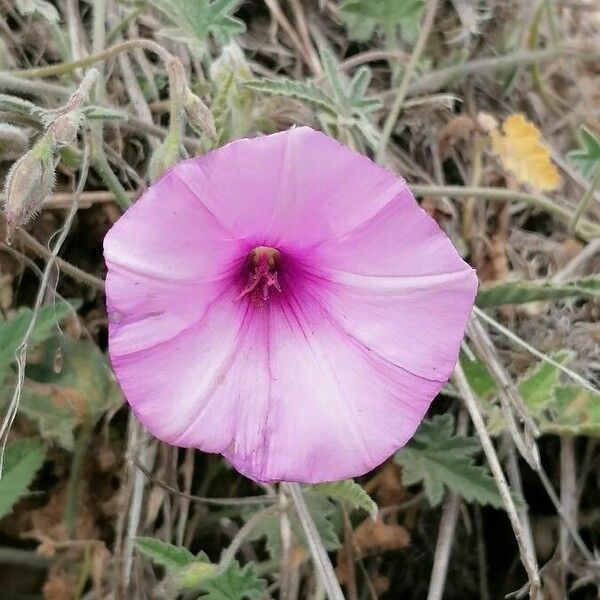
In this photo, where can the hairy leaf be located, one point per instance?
(198, 18)
(521, 151)
(442, 460)
(22, 460)
(235, 583)
(348, 492)
(519, 292)
(307, 91)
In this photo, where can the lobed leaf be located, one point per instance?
(348, 492)
(440, 459)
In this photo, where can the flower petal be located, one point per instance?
(269, 192)
(167, 259)
(398, 286)
(335, 410)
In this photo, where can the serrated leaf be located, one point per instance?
(235, 583)
(587, 157)
(80, 393)
(442, 460)
(305, 91)
(538, 387)
(166, 555)
(519, 292)
(12, 331)
(41, 7)
(522, 152)
(349, 492)
(22, 460)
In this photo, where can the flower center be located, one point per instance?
(261, 269)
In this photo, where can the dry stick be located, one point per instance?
(21, 351)
(443, 547)
(568, 497)
(528, 559)
(320, 557)
(446, 531)
(510, 398)
(280, 17)
(394, 113)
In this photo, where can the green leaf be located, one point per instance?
(166, 555)
(479, 378)
(12, 331)
(382, 11)
(442, 460)
(40, 7)
(80, 393)
(235, 583)
(22, 460)
(95, 112)
(519, 292)
(202, 17)
(186, 570)
(587, 157)
(306, 91)
(349, 492)
(560, 409)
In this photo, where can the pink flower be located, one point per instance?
(285, 302)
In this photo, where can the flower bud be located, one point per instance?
(28, 185)
(164, 157)
(199, 115)
(13, 142)
(65, 128)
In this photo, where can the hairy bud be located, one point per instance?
(28, 185)
(13, 142)
(65, 128)
(199, 115)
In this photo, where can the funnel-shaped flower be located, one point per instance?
(285, 302)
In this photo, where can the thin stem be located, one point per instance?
(585, 200)
(436, 80)
(64, 68)
(586, 229)
(320, 557)
(527, 558)
(394, 113)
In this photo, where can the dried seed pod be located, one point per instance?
(29, 183)
(13, 142)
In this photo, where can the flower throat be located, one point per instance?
(261, 274)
